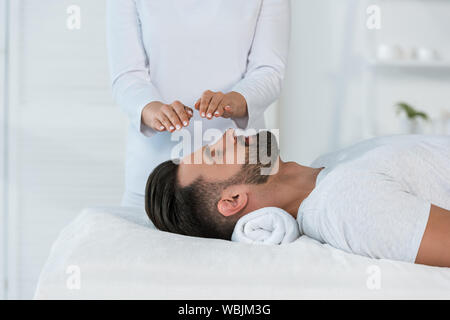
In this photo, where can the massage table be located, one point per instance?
(116, 253)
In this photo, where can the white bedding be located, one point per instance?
(120, 256)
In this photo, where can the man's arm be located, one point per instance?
(434, 248)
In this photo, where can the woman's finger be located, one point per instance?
(197, 104)
(181, 112)
(213, 104)
(221, 108)
(189, 111)
(205, 99)
(219, 112)
(166, 122)
(157, 125)
(228, 111)
(173, 117)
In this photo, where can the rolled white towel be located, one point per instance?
(269, 225)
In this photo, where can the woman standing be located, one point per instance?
(224, 58)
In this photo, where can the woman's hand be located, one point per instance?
(170, 117)
(219, 104)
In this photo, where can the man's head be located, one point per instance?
(209, 190)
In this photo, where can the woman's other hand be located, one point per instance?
(219, 104)
(161, 117)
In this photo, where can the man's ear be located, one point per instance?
(233, 200)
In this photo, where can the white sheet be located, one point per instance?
(120, 257)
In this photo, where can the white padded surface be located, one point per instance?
(121, 256)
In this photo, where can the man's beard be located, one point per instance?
(262, 154)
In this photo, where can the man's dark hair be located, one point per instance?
(192, 210)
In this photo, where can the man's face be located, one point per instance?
(223, 159)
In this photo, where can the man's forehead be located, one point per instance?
(187, 173)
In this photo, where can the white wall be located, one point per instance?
(328, 86)
(67, 139)
(413, 24)
(2, 149)
(307, 90)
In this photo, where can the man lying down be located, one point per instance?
(388, 197)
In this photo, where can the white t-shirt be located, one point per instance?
(374, 198)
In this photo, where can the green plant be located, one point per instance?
(410, 111)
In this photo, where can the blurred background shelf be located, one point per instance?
(417, 65)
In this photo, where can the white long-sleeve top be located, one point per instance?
(167, 50)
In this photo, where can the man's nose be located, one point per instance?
(229, 137)
(229, 132)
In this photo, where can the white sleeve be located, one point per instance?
(131, 83)
(261, 84)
